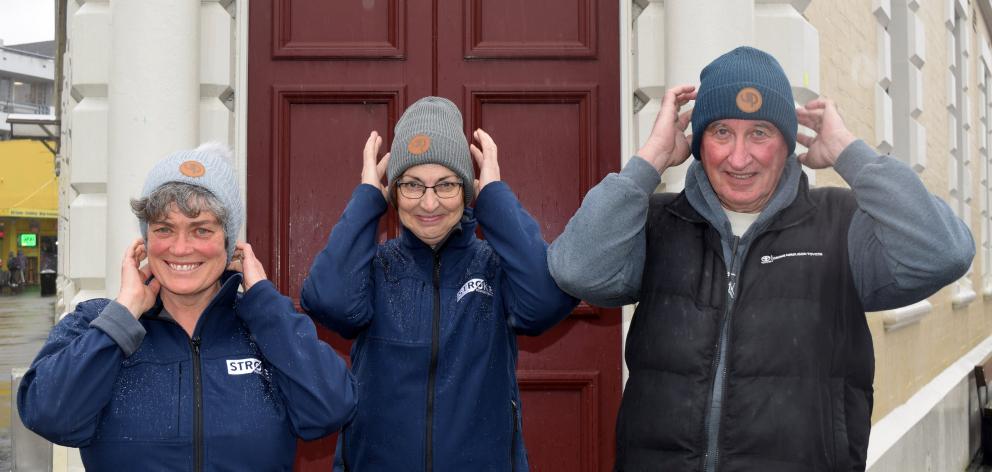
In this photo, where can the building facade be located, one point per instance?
(27, 78)
(911, 77)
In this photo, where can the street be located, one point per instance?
(25, 320)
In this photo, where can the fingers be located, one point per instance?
(372, 146)
(485, 152)
(684, 119)
(819, 103)
(154, 286)
(805, 139)
(146, 274)
(476, 154)
(371, 171)
(810, 118)
(380, 168)
(248, 253)
(678, 95)
(132, 255)
(486, 141)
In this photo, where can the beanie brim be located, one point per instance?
(712, 106)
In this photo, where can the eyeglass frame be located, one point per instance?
(457, 184)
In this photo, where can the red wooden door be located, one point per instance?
(541, 77)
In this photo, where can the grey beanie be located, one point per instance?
(746, 84)
(430, 132)
(208, 166)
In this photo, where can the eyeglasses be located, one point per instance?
(417, 189)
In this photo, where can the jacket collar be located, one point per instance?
(789, 205)
(227, 296)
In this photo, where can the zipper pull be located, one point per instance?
(195, 342)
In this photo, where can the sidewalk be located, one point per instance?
(25, 320)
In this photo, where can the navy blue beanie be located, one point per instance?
(746, 84)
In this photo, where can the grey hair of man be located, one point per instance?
(188, 199)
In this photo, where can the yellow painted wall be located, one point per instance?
(28, 199)
(28, 186)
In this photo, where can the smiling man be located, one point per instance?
(749, 349)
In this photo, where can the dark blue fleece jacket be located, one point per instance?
(143, 395)
(435, 353)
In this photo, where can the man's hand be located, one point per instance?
(832, 137)
(134, 294)
(668, 145)
(244, 261)
(486, 159)
(372, 173)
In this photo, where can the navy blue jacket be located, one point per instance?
(435, 353)
(254, 365)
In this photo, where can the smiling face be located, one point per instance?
(430, 218)
(743, 160)
(187, 255)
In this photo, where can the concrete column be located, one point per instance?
(83, 177)
(696, 32)
(154, 105)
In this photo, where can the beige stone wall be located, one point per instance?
(910, 357)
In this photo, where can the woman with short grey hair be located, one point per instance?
(181, 371)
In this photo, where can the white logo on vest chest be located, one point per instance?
(244, 366)
(770, 259)
(474, 285)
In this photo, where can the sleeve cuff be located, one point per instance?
(117, 322)
(644, 175)
(258, 293)
(853, 159)
(372, 196)
(493, 189)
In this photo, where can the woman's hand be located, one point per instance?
(244, 261)
(134, 294)
(485, 158)
(373, 173)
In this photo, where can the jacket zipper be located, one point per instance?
(197, 406)
(712, 456)
(344, 457)
(513, 437)
(432, 376)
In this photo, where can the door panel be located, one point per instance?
(322, 30)
(549, 29)
(540, 77)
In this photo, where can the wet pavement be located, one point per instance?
(25, 320)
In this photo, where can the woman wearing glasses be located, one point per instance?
(434, 312)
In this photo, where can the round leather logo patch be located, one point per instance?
(192, 169)
(749, 100)
(419, 144)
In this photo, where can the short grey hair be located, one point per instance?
(188, 199)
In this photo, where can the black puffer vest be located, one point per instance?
(797, 394)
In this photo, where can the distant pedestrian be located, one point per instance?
(14, 269)
(22, 264)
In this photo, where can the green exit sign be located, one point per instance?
(29, 239)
